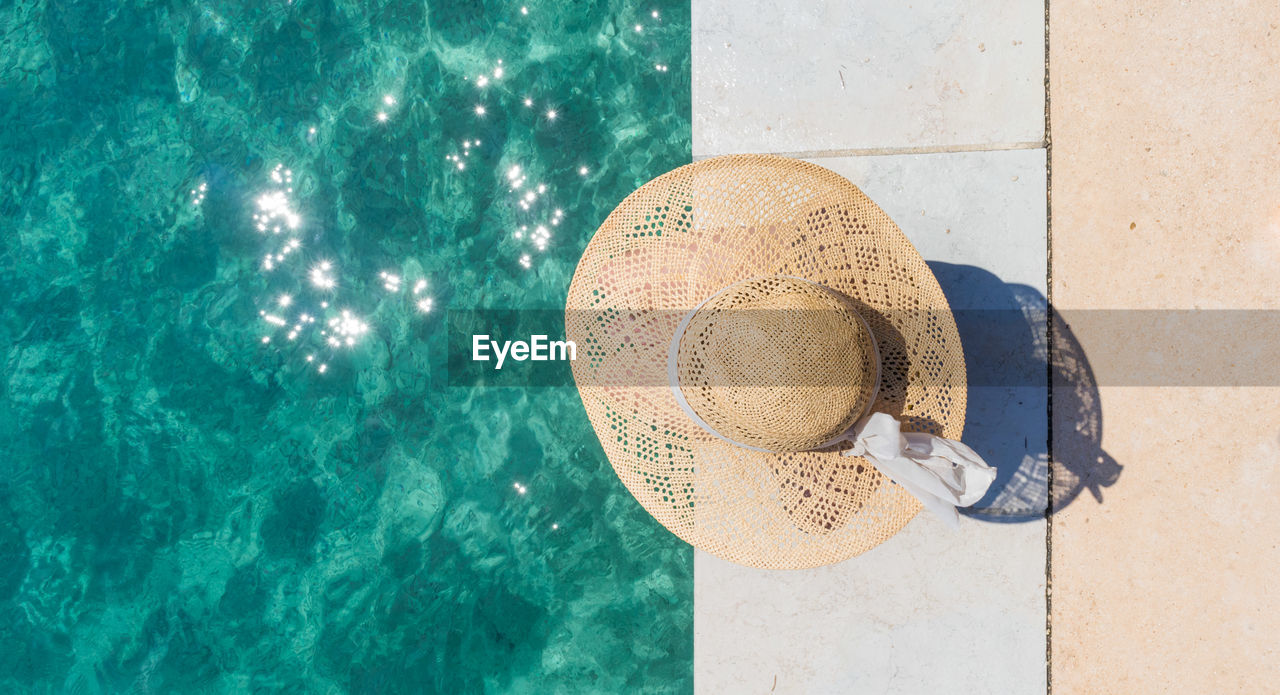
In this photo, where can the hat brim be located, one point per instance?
(690, 232)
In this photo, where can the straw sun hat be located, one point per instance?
(772, 369)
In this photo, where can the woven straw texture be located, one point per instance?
(675, 242)
(759, 335)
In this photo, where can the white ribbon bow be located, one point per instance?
(941, 473)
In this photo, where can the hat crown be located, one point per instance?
(777, 363)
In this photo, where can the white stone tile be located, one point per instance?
(824, 75)
(931, 610)
(983, 209)
(979, 218)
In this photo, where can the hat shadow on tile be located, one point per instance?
(1004, 330)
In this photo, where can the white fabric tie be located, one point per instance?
(942, 473)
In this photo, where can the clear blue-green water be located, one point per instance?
(199, 491)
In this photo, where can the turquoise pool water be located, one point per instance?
(232, 457)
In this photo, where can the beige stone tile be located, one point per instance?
(1168, 584)
(1166, 157)
(1166, 195)
(821, 75)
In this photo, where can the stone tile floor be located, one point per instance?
(822, 76)
(1166, 150)
(1166, 195)
(926, 611)
(937, 113)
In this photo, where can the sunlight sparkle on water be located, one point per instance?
(274, 208)
(301, 316)
(390, 281)
(540, 237)
(347, 328)
(321, 276)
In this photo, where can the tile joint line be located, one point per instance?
(883, 151)
(1051, 348)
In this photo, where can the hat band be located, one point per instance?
(942, 473)
(673, 377)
